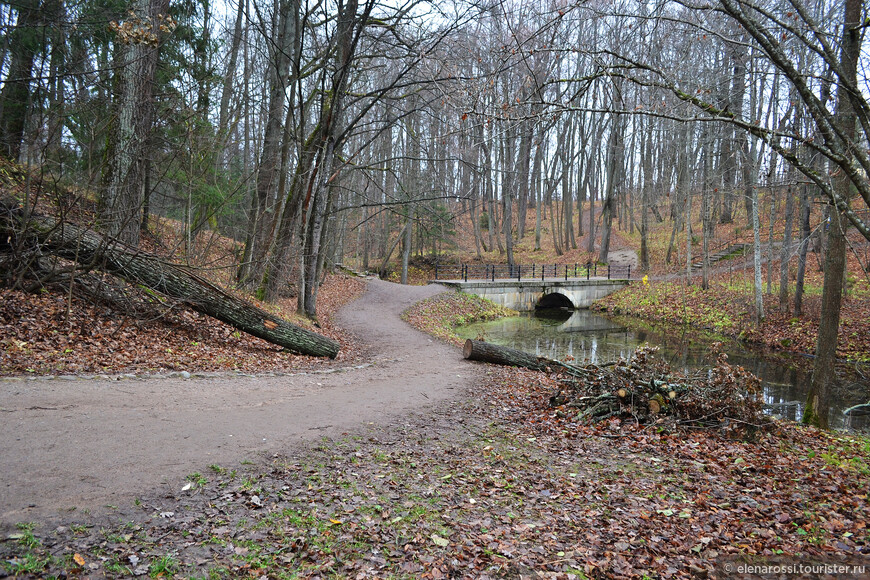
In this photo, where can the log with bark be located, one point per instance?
(85, 246)
(482, 351)
(501, 355)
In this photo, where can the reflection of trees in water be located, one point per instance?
(589, 337)
(597, 347)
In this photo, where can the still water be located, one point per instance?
(590, 337)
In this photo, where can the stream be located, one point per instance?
(591, 337)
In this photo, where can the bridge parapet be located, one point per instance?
(525, 295)
(519, 272)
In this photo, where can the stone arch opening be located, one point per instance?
(554, 300)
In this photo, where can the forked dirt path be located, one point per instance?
(86, 444)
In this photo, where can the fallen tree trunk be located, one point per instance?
(85, 246)
(501, 355)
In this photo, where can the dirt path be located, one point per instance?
(622, 258)
(88, 444)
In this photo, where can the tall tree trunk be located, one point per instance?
(749, 161)
(315, 223)
(507, 198)
(818, 399)
(472, 176)
(507, 226)
(752, 192)
(644, 200)
(24, 42)
(733, 136)
(487, 187)
(56, 13)
(583, 174)
(268, 174)
(223, 129)
(671, 244)
(590, 241)
(785, 250)
(522, 181)
(413, 184)
(536, 191)
(366, 241)
(772, 182)
(124, 193)
(614, 167)
(682, 186)
(407, 242)
(556, 225)
(331, 113)
(278, 268)
(706, 217)
(802, 254)
(689, 238)
(567, 160)
(771, 222)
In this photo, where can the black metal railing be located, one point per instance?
(493, 272)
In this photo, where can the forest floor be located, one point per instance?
(455, 469)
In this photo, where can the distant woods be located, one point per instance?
(359, 131)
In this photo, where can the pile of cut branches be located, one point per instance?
(645, 388)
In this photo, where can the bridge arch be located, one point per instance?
(554, 300)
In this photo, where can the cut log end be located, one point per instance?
(468, 348)
(654, 407)
(486, 352)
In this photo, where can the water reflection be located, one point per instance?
(588, 336)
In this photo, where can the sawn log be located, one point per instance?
(502, 355)
(88, 247)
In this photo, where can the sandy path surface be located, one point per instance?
(86, 444)
(622, 258)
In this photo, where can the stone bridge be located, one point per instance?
(526, 295)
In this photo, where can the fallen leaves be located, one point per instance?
(440, 314)
(439, 541)
(49, 333)
(500, 485)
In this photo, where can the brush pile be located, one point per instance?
(646, 389)
(643, 388)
